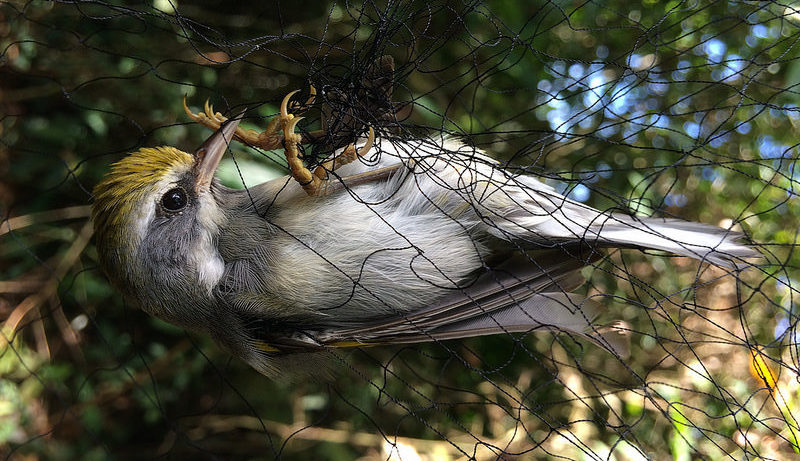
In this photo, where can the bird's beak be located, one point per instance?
(209, 154)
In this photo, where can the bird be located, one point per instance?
(393, 242)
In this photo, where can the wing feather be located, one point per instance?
(527, 292)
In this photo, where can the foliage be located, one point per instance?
(658, 108)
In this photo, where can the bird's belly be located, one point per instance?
(342, 262)
(373, 267)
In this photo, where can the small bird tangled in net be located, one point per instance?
(479, 230)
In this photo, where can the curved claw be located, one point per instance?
(285, 103)
(199, 117)
(211, 114)
(312, 95)
(186, 109)
(207, 117)
(292, 123)
(366, 147)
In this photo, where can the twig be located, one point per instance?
(21, 286)
(42, 345)
(226, 423)
(73, 212)
(68, 333)
(49, 289)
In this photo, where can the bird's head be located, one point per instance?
(156, 219)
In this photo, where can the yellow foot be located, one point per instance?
(268, 139)
(315, 183)
(272, 138)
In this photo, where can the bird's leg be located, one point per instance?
(280, 132)
(271, 138)
(268, 139)
(347, 156)
(312, 182)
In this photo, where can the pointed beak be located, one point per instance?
(209, 154)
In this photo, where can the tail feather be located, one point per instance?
(707, 243)
(542, 215)
(520, 207)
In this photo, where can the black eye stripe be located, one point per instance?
(175, 199)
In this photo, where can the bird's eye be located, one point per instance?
(174, 199)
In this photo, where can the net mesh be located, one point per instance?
(673, 109)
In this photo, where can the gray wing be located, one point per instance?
(528, 292)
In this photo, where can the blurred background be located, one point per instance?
(676, 109)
